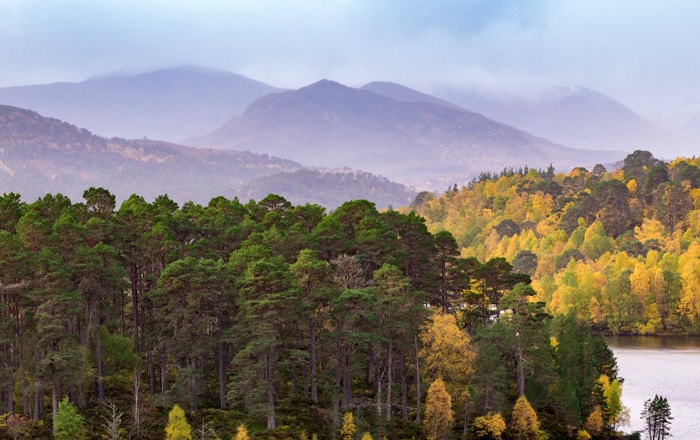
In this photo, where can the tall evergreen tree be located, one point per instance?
(657, 417)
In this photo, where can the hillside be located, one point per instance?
(618, 248)
(424, 144)
(405, 94)
(197, 305)
(569, 115)
(170, 104)
(41, 155)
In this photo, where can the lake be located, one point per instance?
(667, 366)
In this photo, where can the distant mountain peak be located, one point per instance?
(325, 85)
(399, 133)
(172, 104)
(573, 91)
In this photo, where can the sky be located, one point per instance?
(641, 52)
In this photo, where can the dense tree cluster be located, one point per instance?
(618, 248)
(276, 321)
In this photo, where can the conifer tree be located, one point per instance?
(348, 429)
(657, 415)
(438, 411)
(69, 424)
(524, 424)
(177, 427)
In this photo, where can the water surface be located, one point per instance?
(667, 366)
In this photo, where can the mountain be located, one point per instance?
(405, 94)
(424, 144)
(41, 155)
(569, 115)
(170, 104)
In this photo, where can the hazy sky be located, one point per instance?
(642, 52)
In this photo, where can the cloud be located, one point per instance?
(630, 49)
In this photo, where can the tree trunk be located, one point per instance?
(9, 391)
(305, 378)
(135, 305)
(222, 373)
(347, 381)
(336, 392)
(404, 392)
(270, 397)
(295, 378)
(163, 373)
(314, 381)
(151, 371)
(521, 366)
(20, 350)
(100, 368)
(389, 380)
(418, 392)
(379, 395)
(54, 398)
(136, 413)
(38, 393)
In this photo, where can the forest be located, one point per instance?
(475, 314)
(617, 248)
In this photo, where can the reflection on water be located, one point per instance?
(654, 342)
(667, 366)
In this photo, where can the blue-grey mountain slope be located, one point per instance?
(41, 155)
(425, 144)
(170, 104)
(570, 115)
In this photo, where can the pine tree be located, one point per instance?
(69, 425)
(657, 413)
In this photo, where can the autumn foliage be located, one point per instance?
(618, 248)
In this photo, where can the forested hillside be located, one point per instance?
(285, 322)
(40, 155)
(618, 248)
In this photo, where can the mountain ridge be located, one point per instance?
(41, 155)
(169, 104)
(569, 114)
(419, 143)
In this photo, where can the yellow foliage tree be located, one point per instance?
(650, 230)
(524, 424)
(653, 318)
(595, 310)
(447, 354)
(583, 435)
(640, 281)
(595, 422)
(347, 432)
(612, 391)
(438, 411)
(490, 426)
(689, 269)
(367, 436)
(177, 427)
(241, 433)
